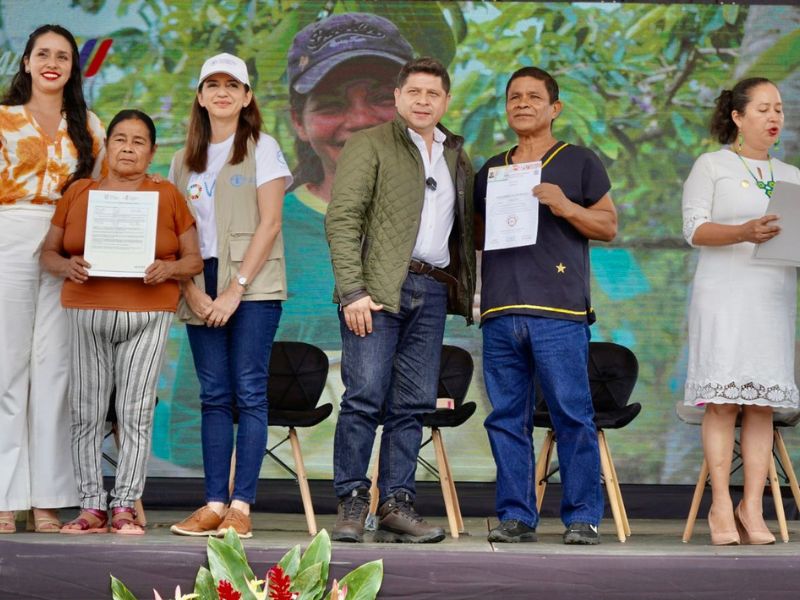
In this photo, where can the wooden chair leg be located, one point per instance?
(444, 479)
(232, 474)
(454, 493)
(613, 501)
(373, 490)
(776, 495)
(141, 517)
(542, 466)
(601, 436)
(788, 467)
(696, 498)
(302, 481)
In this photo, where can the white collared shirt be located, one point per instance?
(438, 207)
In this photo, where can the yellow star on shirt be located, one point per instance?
(561, 268)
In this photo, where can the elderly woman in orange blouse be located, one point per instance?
(48, 139)
(118, 325)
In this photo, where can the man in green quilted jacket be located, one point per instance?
(399, 227)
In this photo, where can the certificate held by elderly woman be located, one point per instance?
(120, 232)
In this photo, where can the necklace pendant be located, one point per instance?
(745, 183)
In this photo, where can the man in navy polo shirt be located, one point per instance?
(535, 316)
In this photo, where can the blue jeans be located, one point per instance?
(232, 366)
(390, 376)
(515, 349)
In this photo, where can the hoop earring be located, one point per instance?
(740, 142)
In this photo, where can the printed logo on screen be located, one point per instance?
(91, 55)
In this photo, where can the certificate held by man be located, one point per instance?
(512, 211)
(120, 233)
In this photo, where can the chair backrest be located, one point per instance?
(613, 370)
(455, 373)
(297, 374)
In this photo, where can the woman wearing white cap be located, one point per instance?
(234, 177)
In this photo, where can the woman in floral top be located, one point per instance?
(48, 139)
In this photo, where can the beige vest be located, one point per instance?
(237, 216)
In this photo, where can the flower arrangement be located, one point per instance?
(298, 576)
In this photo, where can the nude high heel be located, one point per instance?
(722, 538)
(748, 534)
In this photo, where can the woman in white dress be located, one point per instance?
(742, 313)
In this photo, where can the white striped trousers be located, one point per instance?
(114, 351)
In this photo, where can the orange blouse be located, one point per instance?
(33, 167)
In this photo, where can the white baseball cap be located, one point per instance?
(228, 64)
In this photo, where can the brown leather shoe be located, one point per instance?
(203, 521)
(239, 521)
(399, 522)
(350, 517)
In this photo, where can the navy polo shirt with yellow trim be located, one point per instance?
(550, 278)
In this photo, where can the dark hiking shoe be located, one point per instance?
(399, 522)
(511, 531)
(350, 517)
(581, 533)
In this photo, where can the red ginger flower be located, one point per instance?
(226, 591)
(279, 584)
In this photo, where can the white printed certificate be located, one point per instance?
(120, 233)
(512, 211)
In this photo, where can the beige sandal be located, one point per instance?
(8, 522)
(42, 520)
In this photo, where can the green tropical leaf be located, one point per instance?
(290, 563)
(119, 591)
(232, 539)
(204, 585)
(364, 582)
(318, 552)
(226, 562)
(310, 583)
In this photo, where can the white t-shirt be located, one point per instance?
(270, 164)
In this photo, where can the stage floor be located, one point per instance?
(653, 563)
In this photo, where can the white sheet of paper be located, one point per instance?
(784, 248)
(512, 211)
(120, 233)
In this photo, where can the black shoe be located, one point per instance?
(399, 522)
(511, 531)
(581, 533)
(350, 517)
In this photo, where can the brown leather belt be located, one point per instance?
(423, 268)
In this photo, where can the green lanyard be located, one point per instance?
(766, 186)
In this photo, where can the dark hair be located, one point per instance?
(536, 73)
(309, 167)
(135, 115)
(424, 64)
(722, 126)
(74, 105)
(199, 134)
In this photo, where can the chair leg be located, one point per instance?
(787, 467)
(613, 501)
(138, 507)
(302, 481)
(453, 492)
(625, 523)
(444, 480)
(232, 475)
(542, 466)
(698, 496)
(373, 490)
(776, 495)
